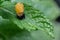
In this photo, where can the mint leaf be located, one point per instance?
(9, 31)
(34, 19)
(46, 6)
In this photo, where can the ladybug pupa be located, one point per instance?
(19, 7)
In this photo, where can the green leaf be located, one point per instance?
(34, 19)
(3, 1)
(46, 6)
(24, 35)
(9, 31)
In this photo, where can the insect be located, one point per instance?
(19, 7)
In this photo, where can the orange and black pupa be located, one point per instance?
(19, 7)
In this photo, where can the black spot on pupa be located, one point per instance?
(21, 17)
